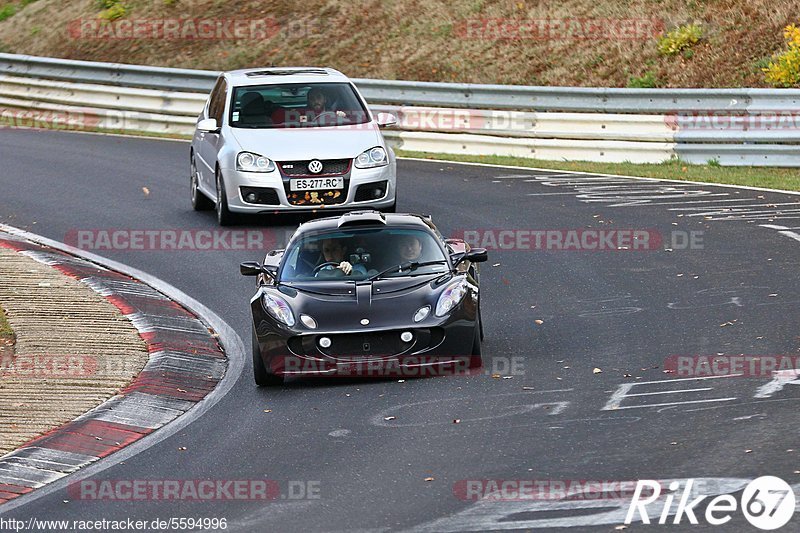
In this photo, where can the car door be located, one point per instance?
(208, 142)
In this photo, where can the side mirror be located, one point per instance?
(251, 268)
(208, 125)
(476, 255)
(386, 120)
(254, 268)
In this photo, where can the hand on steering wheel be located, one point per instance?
(336, 115)
(323, 265)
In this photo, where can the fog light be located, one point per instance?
(377, 193)
(324, 342)
(406, 336)
(422, 313)
(308, 321)
(251, 198)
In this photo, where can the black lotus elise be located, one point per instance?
(366, 294)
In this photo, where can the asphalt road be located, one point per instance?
(623, 312)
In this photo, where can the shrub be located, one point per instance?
(117, 11)
(680, 38)
(784, 68)
(645, 81)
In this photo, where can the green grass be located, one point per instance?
(6, 333)
(772, 178)
(7, 11)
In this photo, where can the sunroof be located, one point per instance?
(278, 72)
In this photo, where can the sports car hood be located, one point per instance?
(295, 144)
(389, 303)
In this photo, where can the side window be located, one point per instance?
(216, 106)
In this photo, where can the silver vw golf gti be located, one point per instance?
(289, 139)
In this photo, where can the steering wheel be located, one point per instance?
(323, 265)
(328, 114)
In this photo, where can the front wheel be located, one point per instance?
(224, 216)
(262, 377)
(200, 201)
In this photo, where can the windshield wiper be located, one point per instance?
(408, 265)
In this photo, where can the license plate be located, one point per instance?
(316, 184)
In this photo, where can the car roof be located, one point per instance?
(280, 75)
(367, 219)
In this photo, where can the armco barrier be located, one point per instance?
(593, 124)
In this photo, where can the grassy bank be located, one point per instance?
(633, 43)
(773, 178)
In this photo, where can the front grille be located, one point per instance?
(263, 196)
(369, 344)
(367, 191)
(330, 167)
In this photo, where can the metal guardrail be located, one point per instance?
(598, 124)
(415, 93)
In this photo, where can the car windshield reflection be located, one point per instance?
(355, 255)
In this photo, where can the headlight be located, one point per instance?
(248, 162)
(451, 297)
(278, 308)
(374, 157)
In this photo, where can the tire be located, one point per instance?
(476, 359)
(200, 202)
(224, 216)
(262, 377)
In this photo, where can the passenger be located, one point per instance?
(409, 247)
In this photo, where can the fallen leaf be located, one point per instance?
(401, 381)
(748, 451)
(267, 410)
(429, 478)
(673, 443)
(619, 528)
(508, 377)
(387, 418)
(527, 388)
(597, 371)
(496, 265)
(146, 191)
(496, 376)
(456, 421)
(182, 449)
(538, 322)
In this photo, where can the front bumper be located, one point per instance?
(439, 349)
(275, 184)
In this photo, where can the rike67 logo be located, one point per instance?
(767, 502)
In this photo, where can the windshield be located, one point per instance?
(368, 252)
(296, 105)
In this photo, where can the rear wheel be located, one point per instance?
(200, 201)
(262, 377)
(224, 216)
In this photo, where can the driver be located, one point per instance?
(317, 100)
(334, 251)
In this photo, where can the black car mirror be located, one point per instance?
(476, 255)
(251, 268)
